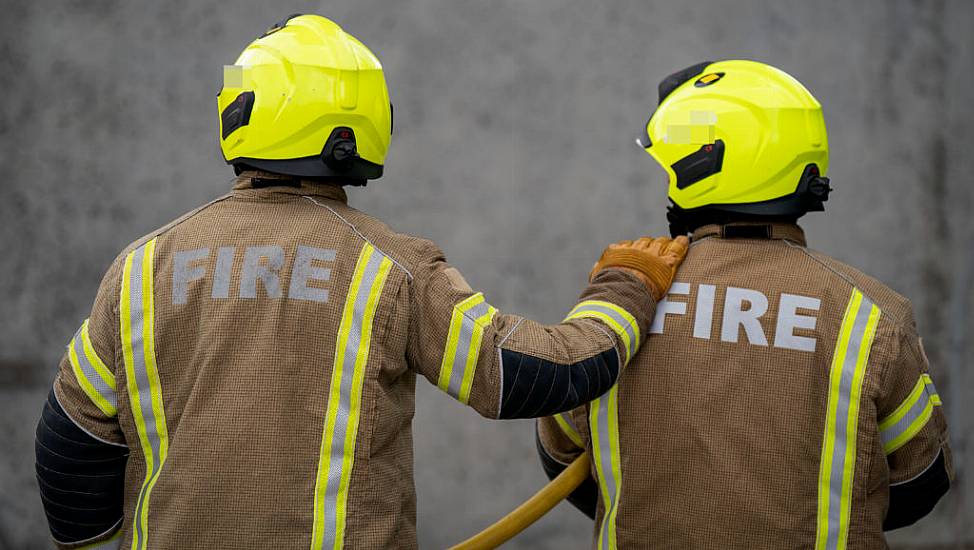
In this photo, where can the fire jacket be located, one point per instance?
(246, 376)
(782, 400)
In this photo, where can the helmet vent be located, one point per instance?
(706, 161)
(237, 113)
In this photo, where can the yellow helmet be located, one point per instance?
(738, 137)
(306, 99)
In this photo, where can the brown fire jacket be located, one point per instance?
(258, 356)
(780, 399)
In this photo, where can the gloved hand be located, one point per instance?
(654, 261)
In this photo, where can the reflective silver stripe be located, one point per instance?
(605, 444)
(342, 418)
(904, 423)
(910, 416)
(606, 460)
(467, 327)
(568, 428)
(143, 385)
(468, 322)
(838, 466)
(567, 417)
(623, 322)
(842, 421)
(91, 374)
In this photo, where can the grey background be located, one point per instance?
(513, 151)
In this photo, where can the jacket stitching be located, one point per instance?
(359, 233)
(842, 276)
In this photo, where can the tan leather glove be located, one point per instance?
(654, 261)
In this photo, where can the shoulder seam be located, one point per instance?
(896, 320)
(169, 226)
(360, 234)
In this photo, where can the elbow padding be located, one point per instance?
(534, 387)
(81, 479)
(910, 501)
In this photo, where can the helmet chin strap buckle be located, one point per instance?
(815, 188)
(340, 150)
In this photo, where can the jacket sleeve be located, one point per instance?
(561, 438)
(506, 366)
(913, 431)
(80, 450)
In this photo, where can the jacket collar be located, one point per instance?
(261, 184)
(752, 230)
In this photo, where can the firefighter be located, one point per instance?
(246, 376)
(783, 399)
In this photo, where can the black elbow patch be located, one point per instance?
(81, 479)
(534, 387)
(910, 501)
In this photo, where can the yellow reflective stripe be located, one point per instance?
(137, 320)
(825, 467)
(900, 411)
(453, 338)
(838, 460)
(334, 396)
(931, 389)
(469, 319)
(474, 355)
(598, 449)
(852, 424)
(914, 428)
(155, 386)
(900, 426)
(568, 429)
(629, 319)
(343, 413)
(125, 318)
(96, 362)
(102, 396)
(358, 381)
(604, 423)
(619, 320)
(616, 461)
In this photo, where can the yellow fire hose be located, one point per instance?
(532, 509)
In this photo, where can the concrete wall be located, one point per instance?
(513, 151)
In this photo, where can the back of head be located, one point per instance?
(739, 140)
(306, 99)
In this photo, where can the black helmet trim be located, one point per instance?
(313, 167)
(665, 88)
(339, 158)
(280, 24)
(672, 82)
(810, 196)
